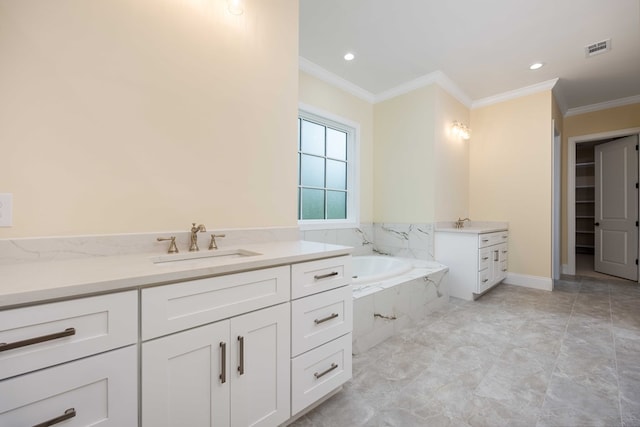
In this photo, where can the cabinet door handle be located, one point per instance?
(69, 413)
(496, 255)
(325, 372)
(332, 316)
(223, 358)
(17, 344)
(241, 365)
(325, 276)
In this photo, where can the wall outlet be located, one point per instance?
(6, 209)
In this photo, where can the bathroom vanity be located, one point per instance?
(249, 339)
(476, 254)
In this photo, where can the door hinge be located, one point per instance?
(637, 224)
(636, 185)
(636, 147)
(636, 261)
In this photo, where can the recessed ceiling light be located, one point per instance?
(349, 56)
(536, 65)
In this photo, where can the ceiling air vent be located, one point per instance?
(598, 48)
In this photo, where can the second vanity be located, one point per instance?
(125, 341)
(476, 254)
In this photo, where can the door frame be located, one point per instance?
(570, 267)
(556, 202)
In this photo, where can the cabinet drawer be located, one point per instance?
(488, 239)
(319, 371)
(484, 258)
(50, 334)
(319, 318)
(318, 276)
(172, 308)
(100, 390)
(484, 280)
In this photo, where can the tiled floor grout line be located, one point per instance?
(564, 334)
(615, 356)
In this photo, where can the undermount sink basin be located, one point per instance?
(204, 255)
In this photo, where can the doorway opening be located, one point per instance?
(587, 239)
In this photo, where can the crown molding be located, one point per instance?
(437, 77)
(603, 105)
(328, 77)
(513, 94)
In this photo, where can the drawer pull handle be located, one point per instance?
(223, 358)
(504, 269)
(10, 346)
(504, 237)
(485, 240)
(325, 276)
(485, 280)
(323, 373)
(69, 413)
(241, 365)
(504, 252)
(485, 258)
(333, 316)
(496, 255)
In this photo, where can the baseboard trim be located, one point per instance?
(534, 282)
(566, 269)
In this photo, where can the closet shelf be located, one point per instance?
(585, 246)
(585, 216)
(585, 232)
(585, 164)
(585, 186)
(585, 201)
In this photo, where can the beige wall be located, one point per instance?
(612, 119)
(120, 116)
(510, 177)
(404, 131)
(319, 94)
(451, 166)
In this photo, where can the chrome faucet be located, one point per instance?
(460, 222)
(194, 236)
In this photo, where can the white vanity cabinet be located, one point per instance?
(70, 362)
(321, 334)
(233, 371)
(476, 261)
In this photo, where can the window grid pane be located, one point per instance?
(322, 172)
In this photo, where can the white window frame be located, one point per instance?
(352, 129)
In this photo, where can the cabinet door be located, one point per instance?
(185, 378)
(260, 377)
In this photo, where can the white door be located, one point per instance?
(185, 378)
(616, 208)
(261, 354)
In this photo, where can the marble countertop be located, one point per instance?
(34, 282)
(472, 227)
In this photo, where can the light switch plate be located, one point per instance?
(6, 209)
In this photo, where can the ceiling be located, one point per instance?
(485, 47)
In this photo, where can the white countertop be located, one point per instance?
(472, 227)
(33, 282)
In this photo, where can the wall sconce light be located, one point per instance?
(235, 7)
(461, 130)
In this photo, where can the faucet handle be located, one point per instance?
(213, 244)
(173, 249)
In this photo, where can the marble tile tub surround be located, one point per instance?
(383, 309)
(395, 239)
(14, 251)
(515, 357)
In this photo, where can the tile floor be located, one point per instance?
(515, 357)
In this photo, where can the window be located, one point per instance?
(326, 171)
